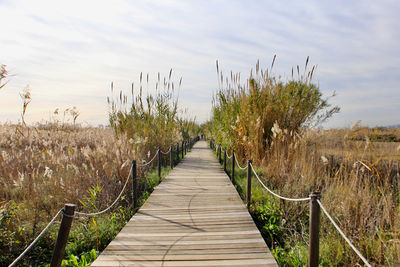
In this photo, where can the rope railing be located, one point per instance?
(36, 240)
(315, 203)
(275, 194)
(112, 204)
(343, 235)
(67, 215)
(240, 167)
(69, 210)
(165, 153)
(147, 163)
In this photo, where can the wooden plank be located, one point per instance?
(194, 217)
(168, 257)
(173, 251)
(243, 263)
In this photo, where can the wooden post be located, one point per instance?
(63, 232)
(248, 183)
(134, 185)
(219, 153)
(315, 212)
(177, 153)
(224, 159)
(159, 164)
(233, 166)
(171, 163)
(182, 149)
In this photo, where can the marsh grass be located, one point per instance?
(151, 120)
(357, 176)
(43, 167)
(42, 171)
(85, 166)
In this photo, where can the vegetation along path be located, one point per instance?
(194, 217)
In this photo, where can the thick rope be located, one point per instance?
(109, 207)
(147, 163)
(228, 156)
(240, 167)
(36, 239)
(273, 193)
(343, 235)
(165, 153)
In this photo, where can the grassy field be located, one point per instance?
(44, 166)
(42, 171)
(270, 121)
(273, 122)
(360, 187)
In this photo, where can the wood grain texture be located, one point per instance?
(194, 217)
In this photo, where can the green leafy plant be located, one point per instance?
(83, 261)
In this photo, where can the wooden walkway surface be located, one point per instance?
(194, 217)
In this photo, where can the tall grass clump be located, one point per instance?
(243, 115)
(151, 120)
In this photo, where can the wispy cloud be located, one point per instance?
(70, 51)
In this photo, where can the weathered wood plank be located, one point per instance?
(193, 218)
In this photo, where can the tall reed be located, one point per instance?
(268, 120)
(244, 114)
(152, 120)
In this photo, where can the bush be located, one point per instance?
(244, 115)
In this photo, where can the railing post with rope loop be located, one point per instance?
(177, 153)
(134, 185)
(182, 148)
(224, 159)
(315, 214)
(219, 154)
(63, 232)
(249, 182)
(164, 159)
(233, 165)
(171, 163)
(159, 164)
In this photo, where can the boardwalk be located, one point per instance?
(194, 217)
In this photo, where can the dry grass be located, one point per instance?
(47, 168)
(58, 162)
(358, 187)
(356, 173)
(43, 170)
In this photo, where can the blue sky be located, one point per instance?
(70, 51)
